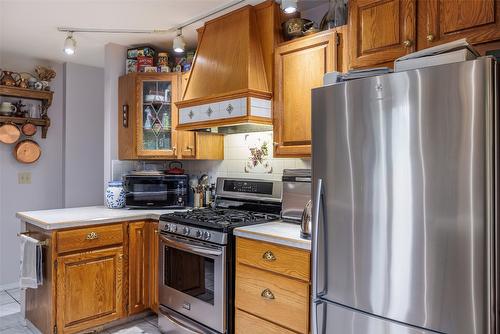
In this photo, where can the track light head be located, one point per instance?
(289, 6)
(179, 43)
(69, 44)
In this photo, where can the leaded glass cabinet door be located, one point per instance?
(157, 116)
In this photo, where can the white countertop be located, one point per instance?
(277, 232)
(85, 216)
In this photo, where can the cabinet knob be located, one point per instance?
(430, 37)
(276, 143)
(269, 256)
(407, 43)
(267, 294)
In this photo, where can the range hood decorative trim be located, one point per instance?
(227, 96)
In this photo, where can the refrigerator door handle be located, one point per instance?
(318, 204)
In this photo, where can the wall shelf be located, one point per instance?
(29, 94)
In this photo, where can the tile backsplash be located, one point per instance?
(246, 155)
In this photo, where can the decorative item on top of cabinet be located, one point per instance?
(299, 66)
(381, 31)
(442, 21)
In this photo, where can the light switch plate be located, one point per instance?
(24, 177)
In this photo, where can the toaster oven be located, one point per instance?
(159, 191)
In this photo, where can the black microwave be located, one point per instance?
(158, 191)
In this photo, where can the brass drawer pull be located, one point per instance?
(266, 293)
(92, 236)
(269, 256)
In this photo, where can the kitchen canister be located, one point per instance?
(115, 195)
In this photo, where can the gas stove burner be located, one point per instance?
(220, 219)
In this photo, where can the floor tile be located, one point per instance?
(16, 330)
(15, 293)
(8, 309)
(11, 320)
(136, 327)
(5, 298)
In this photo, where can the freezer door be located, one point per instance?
(405, 226)
(337, 319)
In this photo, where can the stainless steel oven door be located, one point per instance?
(192, 279)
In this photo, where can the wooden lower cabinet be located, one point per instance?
(89, 289)
(272, 293)
(95, 275)
(153, 256)
(138, 267)
(249, 324)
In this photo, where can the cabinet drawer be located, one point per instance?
(276, 298)
(249, 324)
(89, 237)
(279, 259)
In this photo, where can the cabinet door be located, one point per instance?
(89, 289)
(300, 66)
(187, 144)
(380, 31)
(127, 146)
(138, 267)
(157, 115)
(448, 20)
(153, 251)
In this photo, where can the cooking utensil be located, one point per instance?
(27, 151)
(9, 133)
(305, 225)
(203, 180)
(28, 129)
(176, 170)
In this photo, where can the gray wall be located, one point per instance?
(83, 135)
(69, 171)
(45, 190)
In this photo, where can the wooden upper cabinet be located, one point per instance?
(442, 21)
(89, 289)
(381, 31)
(299, 67)
(138, 267)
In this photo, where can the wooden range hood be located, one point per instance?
(228, 84)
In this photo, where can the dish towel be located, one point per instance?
(28, 277)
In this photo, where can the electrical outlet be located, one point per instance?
(24, 177)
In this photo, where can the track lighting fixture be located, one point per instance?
(289, 6)
(179, 43)
(69, 44)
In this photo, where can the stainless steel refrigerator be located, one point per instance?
(404, 192)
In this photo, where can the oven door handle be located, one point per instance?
(190, 247)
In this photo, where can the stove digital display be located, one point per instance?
(250, 187)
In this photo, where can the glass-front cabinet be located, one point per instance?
(156, 134)
(147, 118)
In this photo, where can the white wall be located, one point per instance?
(45, 190)
(83, 135)
(114, 67)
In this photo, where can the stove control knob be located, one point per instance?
(206, 235)
(173, 228)
(199, 234)
(167, 227)
(185, 230)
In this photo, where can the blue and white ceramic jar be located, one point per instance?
(115, 195)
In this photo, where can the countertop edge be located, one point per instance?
(272, 238)
(79, 223)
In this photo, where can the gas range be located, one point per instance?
(212, 224)
(197, 255)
